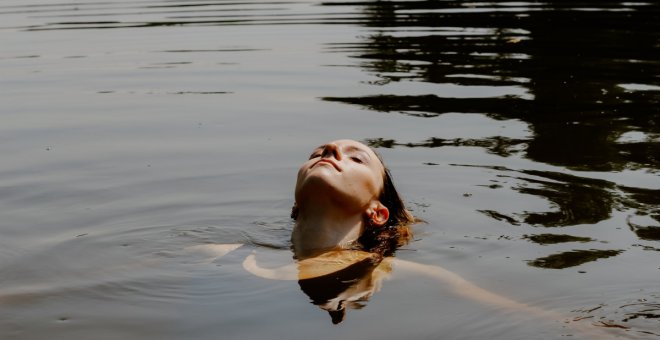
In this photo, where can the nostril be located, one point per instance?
(331, 150)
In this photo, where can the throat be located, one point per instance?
(310, 238)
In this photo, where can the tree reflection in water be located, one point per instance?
(591, 78)
(576, 65)
(584, 77)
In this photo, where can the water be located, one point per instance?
(524, 133)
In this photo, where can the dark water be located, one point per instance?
(525, 133)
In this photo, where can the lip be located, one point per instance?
(329, 161)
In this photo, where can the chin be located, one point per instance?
(315, 185)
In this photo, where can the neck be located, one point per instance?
(321, 230)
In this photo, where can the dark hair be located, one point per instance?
(384, 240)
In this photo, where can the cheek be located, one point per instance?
(302, 173)
(368, 182)
(304, 169)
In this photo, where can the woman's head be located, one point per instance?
(346, 173)
(348, 176)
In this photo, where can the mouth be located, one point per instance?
(328, 161)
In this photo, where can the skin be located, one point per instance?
(336, 195)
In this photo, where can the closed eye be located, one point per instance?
(357, 160)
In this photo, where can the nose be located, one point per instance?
(331, 150)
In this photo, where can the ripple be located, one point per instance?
(171, 13)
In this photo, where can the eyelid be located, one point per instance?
(361, 156)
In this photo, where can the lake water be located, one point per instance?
(525, 134)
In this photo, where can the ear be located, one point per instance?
(378, 214)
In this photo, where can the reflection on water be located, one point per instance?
(349, 288)
(572, 258)
(645, 232)
(569, 69)
(556, 238)
(631, 311)
(189, 116)
(573, 64)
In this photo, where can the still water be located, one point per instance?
(525, 134)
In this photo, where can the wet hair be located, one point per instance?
(384, 240)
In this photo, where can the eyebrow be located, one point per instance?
(348, 148)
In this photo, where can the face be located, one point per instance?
(345, 171)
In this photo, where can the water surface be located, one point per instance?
(524, 133)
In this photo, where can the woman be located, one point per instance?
(345, 199)
(349, 217)
(349, 221)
